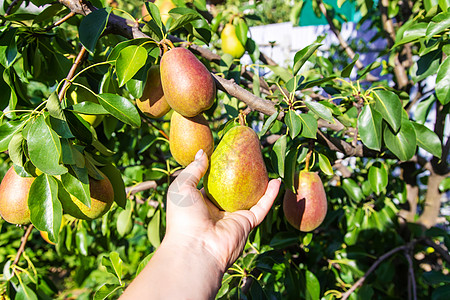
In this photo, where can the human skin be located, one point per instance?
(201, 242)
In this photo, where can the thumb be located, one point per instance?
(191, 175)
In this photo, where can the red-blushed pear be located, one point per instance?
(237, 176)
(14, 191)
(188, 86)
(306, 210)
(187, 136)
(152, 103)
(102, 197)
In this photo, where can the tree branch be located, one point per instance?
(341, 40)
(59, 22)
(439, 249)
(375, 265)
(23, 243)
(71, 73)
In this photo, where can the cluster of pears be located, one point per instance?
(14, 196)
(183, 83)
(306, 209)
(237, 176)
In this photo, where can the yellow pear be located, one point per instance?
(230, 42)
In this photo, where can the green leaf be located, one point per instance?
(324, 164)
(106, 291)
(130, 60)
(428, 139)
(7, 131)
(282, 239)
(121, 108)
(348, 69)
(293, 122)
(153, 10)
(153, 229)
(438, 24)
(309, 126)
(268, 124)
(389, 106)
(92, 27)
(443, 82)
(89, 108)
(79, 127)
(182, 16)
(44, 148)
(81, 241)
(402, 143)
(54, 107)
(278, 155)
(143, 263)
(125, 221)
(281, 72)
(352, 189)
(378, 178)
(113, 264)
(119, 47)
(45, 208)
(8, 47)
(441, 293)
(320, 110)
(241, 31)
(312, 286)
(290, 168)
(78, 187)
(15, 149)
(427, 65)
(302, 56)
(370, 127)
(25, 293)
(412, 32)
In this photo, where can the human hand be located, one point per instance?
(193, 219)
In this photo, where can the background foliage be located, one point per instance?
(378, 143)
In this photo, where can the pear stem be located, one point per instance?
(308, 156)
(242, 119)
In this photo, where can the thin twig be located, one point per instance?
(62, 20)
(23, 244)
(373, 267)
(342, 42)
(412, 279)
(72, 72)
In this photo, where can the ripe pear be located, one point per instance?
(306, 210)
(187, 136)
(14, 191)
(102, 197)
(152, 103)
(237, 176)
(230, 42)
(188, 86)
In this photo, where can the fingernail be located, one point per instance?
(199, 154)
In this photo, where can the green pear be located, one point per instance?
(230, 42)
(14, 191)
(188, 86)
(237, 176)
(187, 136)
(153, 103)
(306, 209)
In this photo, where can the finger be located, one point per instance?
(191, 175)
(261, 209)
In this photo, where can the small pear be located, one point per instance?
(102, 197)
(307, 209)
(152, 103)
(237, 176)
(188, 86)
(14, 191)
(230, 42)
(187, 136)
